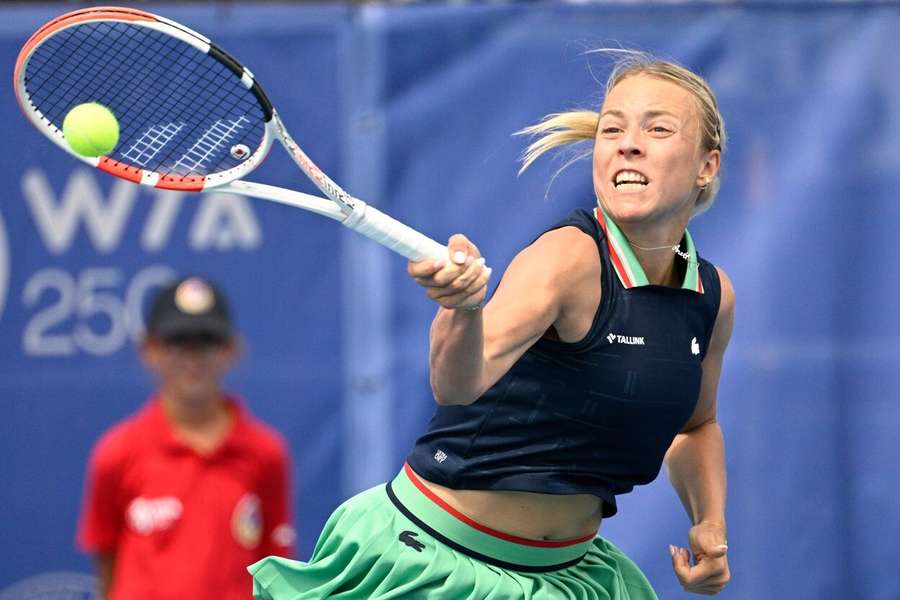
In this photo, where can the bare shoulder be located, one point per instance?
(566, 254)
(725, 318)
(727, 302)
(576, 268)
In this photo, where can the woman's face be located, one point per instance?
(648, 164)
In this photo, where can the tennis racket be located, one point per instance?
(191, 117)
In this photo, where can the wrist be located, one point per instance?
(473, 307)
(718, 523)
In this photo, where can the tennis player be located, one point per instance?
(596, 360)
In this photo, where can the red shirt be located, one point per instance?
(181, 524)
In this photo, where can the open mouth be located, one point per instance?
(629, 181)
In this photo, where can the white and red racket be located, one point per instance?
(191, 117)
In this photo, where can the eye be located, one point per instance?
(660, 129)
(610, 130)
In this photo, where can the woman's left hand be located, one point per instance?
(709, 572)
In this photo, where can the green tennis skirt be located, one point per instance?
(399, 540)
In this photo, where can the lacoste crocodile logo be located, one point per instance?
(409, 538)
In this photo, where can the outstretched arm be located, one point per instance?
(472, 349)
(696, 465)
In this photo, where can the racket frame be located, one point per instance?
(341, 206)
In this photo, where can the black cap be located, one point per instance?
(190, 307)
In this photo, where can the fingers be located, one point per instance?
(680, 563)
(454, 279)
(707, 576)
(708, 539)
(717, 551)
(710, 573)
(460, 252)
(460, 249)
(456, 289)
(425, 268)
(459, 281)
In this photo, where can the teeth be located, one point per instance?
(623, 177)
(630, 187)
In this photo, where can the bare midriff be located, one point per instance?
(526, 514)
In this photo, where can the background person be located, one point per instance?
(188, 491)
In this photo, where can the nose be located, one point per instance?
(630, 144)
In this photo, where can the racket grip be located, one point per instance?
(393, 234)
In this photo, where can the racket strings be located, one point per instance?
(180, 111)
(72, 69)
(55, 60)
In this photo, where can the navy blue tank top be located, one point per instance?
(595, 416)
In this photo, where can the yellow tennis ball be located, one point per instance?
(91, 129)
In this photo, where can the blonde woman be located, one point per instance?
(596, 360)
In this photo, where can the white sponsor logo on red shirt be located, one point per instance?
(146, 515)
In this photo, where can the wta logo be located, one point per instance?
(4, 265)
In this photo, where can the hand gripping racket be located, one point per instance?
(191, 117)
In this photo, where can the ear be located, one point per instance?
(709, 168)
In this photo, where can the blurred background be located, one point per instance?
(411, 107)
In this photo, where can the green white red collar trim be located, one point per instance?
(626, 264)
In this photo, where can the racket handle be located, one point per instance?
(393, 234)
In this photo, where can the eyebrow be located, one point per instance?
(649, 114)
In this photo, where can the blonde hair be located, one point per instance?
(561, 129)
